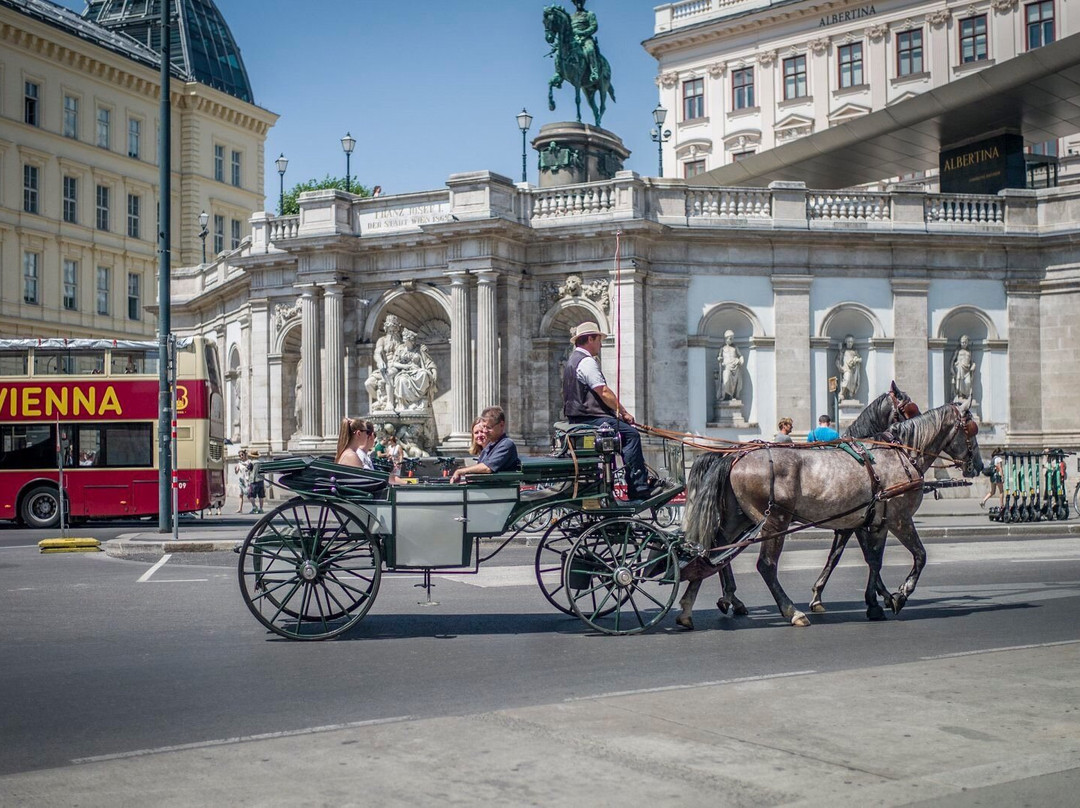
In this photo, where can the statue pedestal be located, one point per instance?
(847, 411)
(572, 153)
(412, 430)
(728, 414)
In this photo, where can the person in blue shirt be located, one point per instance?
(824, 431)
(499, 452)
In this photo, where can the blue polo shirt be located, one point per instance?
(500, 456)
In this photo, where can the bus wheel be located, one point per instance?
(41, 507)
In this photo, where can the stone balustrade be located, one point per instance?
(483, 196)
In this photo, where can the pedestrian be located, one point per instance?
(256, 488)
(783, 431)
(243, 477)
(823, 432)
(997, 480)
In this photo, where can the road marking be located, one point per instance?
(179, 581)
(996, 650)
(265, 736)
(146, 575)
(18, 546)
(762, 678)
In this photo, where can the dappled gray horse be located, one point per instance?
(758, 492)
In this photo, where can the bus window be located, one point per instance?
(212, 372)
(13, 363)
(88, 445)
(127, 445)
(27, 446)
(67, 363)
(125, 362)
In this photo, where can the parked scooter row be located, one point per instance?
(1034, 484)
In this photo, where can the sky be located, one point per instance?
(428, 88)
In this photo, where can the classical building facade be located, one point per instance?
(79, 191)
(744, 76)
(491, 276)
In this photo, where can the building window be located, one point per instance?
(909, 53)
(134, 133)
(30, 188)
(32, 104)
(742, 88)
(71, 116)
(236, 168)
(693, 99)
(104, 118)
(219, 234)
(973, 39)
(739, 156)
(1047, 148)
(795, 77)
(1039, 18)
(850, 59)
(693, 168)
(103, 274)
(71, 284)
(103, 207)
(71, 200)
(30, 278)
(219, 163)
(134, 296)
(235, 240)
(134, 218)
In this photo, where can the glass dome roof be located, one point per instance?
(202, 44)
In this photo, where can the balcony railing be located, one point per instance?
(848, 207)
(964, 208)
(729, 203)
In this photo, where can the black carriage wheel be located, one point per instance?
(40, 507)
(1075, 501)
(309, 570)
(622, 576)
(551, 556)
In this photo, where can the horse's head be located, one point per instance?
(903, 407)
(963, 446)
(553, 23)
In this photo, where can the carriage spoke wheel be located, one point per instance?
(621, 576)
(551, 557)
(309, 570)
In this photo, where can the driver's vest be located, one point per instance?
(578, 400)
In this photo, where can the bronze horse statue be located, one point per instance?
(571, 65)
(754, 495)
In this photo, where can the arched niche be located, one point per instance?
(853, 320)
(748, 338)
(235, 395)
(986, 356)
(291, 381)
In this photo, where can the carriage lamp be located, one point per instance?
(660, 136)
(204, 219)
(524, 120)
(348, 143)
(282, 163)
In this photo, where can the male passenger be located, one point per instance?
(824, 431)
(498, 454)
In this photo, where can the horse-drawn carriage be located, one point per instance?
(311, 568)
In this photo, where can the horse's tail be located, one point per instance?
(705, 493)
(611, 90)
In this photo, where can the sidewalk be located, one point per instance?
(948, 518)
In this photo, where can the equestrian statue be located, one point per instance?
(577, 57)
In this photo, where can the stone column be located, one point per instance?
(1025, 358)
(626, 370)
(333, 389)
(309, 353)
(791, 301)
(460, 375)
(487, 339)
(911, 348)
(260, 416)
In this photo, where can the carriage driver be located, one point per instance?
(587, 399)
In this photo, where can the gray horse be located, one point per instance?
(734, 498)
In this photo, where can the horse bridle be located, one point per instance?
(970, 428)
(903, 410)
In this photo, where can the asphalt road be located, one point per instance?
(110, 659)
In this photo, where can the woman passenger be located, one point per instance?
(355, 440)
(479, 436)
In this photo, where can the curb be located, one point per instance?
(123, 548)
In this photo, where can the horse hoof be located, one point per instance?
(740, 610)
(800, 620)
(896, 603)
(685, 622)
(723, 605)
(875, 612)
(817, 607)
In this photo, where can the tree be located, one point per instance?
(292, 196)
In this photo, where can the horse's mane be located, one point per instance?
(919, 431)
(870, 421)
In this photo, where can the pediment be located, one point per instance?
(794, 122)
(847, 112)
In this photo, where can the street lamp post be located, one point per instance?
(660, 136)
(204, 218)
(282, 163)
(524, 120)
(348, 143)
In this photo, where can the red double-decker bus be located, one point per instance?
(102, 396)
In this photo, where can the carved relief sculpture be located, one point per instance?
(963, 370)
(298, 397)
(848, 363)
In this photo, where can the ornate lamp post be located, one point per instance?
(524, 120)
(282, 163)
(660, 136)
(348, 143)
(204, 218)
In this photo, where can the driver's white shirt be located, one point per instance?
(588, 371)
